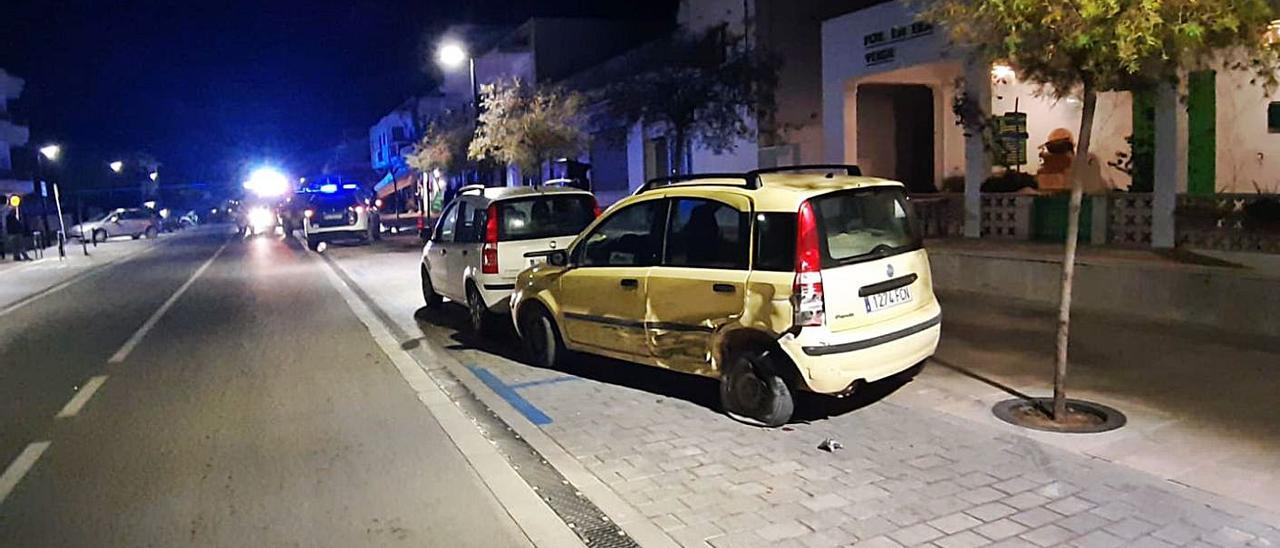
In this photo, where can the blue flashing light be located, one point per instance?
(328, 188)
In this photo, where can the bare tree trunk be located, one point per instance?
(1069, 257)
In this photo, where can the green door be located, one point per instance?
(1049, 218)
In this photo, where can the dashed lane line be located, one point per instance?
(78, 401)
(19, 467)
(129, 345)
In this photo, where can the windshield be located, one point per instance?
(864, 224)
(544, 216)
(336, 199)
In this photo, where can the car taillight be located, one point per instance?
(489, 256)
(809, 305)
(595, 208)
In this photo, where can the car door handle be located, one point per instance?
(629, 283)
(723, 288)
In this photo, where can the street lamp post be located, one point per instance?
(451, 55)
(50, 153)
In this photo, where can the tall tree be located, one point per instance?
(444, 144)
(697, 89)
(1086, 46)
(528, 125)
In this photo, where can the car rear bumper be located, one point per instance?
(496, 292)
(866, 355)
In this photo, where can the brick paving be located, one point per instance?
(905, 477)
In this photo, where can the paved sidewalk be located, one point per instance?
(20, 280)
(913, 471)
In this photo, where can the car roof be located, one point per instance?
(493, 194)
(781, 192)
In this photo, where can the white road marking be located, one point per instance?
(37, 296)
(77, 402)
(137, 337)
(19, 468)
(531, 514)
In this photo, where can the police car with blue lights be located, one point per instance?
(339, 211)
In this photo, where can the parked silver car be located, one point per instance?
(135, 223)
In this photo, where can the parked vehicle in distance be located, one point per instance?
(340, 212)
(775, 281)
(189, 219)
(133, 222)
(485, 237)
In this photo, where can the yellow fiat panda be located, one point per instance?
(801, 278)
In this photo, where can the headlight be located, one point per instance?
(261, 217)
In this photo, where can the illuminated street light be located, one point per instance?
(267, 182)
(117, 166)
(452, 55)
(154, 175)
(51, 152)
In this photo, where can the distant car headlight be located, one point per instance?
(261, 218)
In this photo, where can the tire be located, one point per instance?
(429, 295)
(313, 243)
(478, 314)
(752, 391)
(98, 236)
(541, 339)
(149, 233)
(377, 228)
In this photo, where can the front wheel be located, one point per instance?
(149, 233)
(429, 294)
(541, 340)
(752, 391)
(99, 236)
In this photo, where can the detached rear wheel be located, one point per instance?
(752, 391)
(541, 340)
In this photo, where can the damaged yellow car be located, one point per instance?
(805, 278)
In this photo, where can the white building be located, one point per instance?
(889, 82)
(11, 135)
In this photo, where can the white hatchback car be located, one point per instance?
(487, 236)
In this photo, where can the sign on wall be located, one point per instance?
(879, 44)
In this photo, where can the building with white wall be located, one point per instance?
(889, 82)
(12, 135)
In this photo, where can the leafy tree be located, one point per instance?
(1087, 46)
(443, 145)
(696, 89)
(527, 125)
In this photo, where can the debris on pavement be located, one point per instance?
(831, 446)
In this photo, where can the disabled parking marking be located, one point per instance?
(508, 393)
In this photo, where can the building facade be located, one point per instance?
(12, 135)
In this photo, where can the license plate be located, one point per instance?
(332, 216)
(888, 299)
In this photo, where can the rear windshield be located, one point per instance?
(864, 224)
(544, 217)
(343, 199)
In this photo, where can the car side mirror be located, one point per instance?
(559, 257)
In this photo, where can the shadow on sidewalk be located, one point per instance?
(699, 390)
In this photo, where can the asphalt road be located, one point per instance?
(256, 411)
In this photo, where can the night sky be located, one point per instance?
(208, 88)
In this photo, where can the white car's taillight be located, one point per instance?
(809, 306)
(489, 255)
